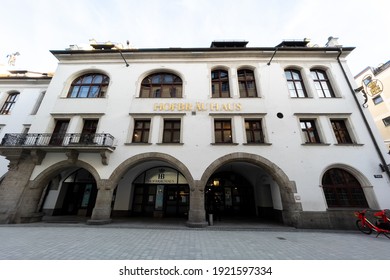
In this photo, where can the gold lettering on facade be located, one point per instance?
(198, 106)
(214, 107)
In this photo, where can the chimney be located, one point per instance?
(332, 42)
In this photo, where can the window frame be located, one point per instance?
(171, 131)
(377, 99)
(245, 80)
(294, 82)
(142, 131)
(319, 83)
(221, 83)
(222, 130)
(151, 89)
(386, 121)
(101, 86)
(338, 132)
(252, 132)
(310, 139)
(342, 185)
(9, 103)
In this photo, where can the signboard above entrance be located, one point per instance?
(164, 175)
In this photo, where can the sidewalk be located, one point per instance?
(172, 240)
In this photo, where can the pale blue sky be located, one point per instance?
(33, 27)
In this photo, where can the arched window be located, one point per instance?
(295, 83)
(322, 83)
(246, 83)
(220, 84)
(161, 85)
(9, 103)
(342, 189)
(93, 85)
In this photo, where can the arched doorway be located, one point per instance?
(342, 189)
(70, 193)
(274, 192)
(160, 192)
(229, 194)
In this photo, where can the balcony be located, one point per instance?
(70, 143)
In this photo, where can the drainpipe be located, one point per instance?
(383, 161)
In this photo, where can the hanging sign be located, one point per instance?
(373, 86)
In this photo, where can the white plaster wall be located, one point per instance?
(301, 163)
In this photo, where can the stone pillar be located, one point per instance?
(101, 213)
(197, 213)
(292, 210)
(14, 184)
(29, 203)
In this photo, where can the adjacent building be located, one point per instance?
(375, 82)
(21, 94)
(274, 133)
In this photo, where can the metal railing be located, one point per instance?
(57, 140)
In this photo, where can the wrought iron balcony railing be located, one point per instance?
(58, 140)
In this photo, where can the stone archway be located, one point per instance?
(291, 208)
(196, 215)
(28, 207)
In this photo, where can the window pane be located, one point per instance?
(168, 79)
(83, 91)
(218, 136)
(176, 137)
(90, 85)
(296, 76)
(94, 91)
(227, 136)
(75, 91)
(98, 79)
(87, 79)
(156, 79)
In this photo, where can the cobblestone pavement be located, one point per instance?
(45, 241)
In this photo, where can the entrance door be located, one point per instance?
(229, 194)
(144, 200)
(79, 199)
(176, 200)
(59, 133)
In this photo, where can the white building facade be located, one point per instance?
(21, 93)
(269, 133)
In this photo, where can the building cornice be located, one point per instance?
(198, 53)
